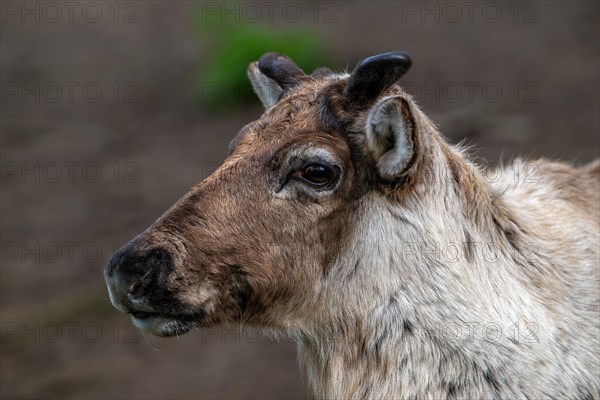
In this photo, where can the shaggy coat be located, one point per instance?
(341, 218)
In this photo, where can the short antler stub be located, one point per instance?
(374, 75)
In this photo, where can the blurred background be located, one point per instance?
(111, 110)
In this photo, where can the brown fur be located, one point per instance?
(333, 269)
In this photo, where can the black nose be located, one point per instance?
(133, 272)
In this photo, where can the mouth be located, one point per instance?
(166, 325)
(143, 315)
(161, 321)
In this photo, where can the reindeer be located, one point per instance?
(327, 224)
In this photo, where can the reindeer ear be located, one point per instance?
(267, 90)
(392, 136)
(272, 75)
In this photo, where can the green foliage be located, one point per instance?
(222, 79)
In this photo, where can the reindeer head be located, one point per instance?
(263, 238)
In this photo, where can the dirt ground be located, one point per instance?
(85, 170)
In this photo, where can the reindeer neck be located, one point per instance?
(400, 331)
(393, 360)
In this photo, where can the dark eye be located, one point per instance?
(317, 174)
